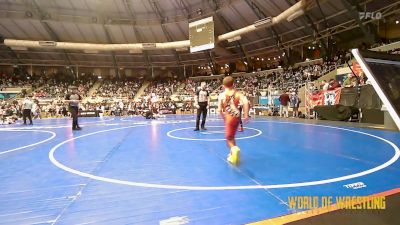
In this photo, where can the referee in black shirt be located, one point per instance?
(73, 98)
(201, 102)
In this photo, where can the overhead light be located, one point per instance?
(47, 43)
(121, 68)
(245, 63)
(222, 68)
(99, 77)
(237, 38)
(269, 59)
(183, 49)
(91, 51)
(262, 59)
(309, 47)
(397, 22)
(135, 51)
(295, 15)
(263, 22)
(149, 45)
(258, 58)
(28, 14)
(18, 48)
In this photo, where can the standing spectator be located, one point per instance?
(285, 100)
(74, 99)
(27, 110)
(325, 85)
(350, 81)
(295, 102)
(333, 84)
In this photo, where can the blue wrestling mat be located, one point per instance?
(138, 171)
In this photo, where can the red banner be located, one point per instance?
(356, 68)
(323, 98)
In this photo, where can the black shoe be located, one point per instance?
(197, 129)
(203, 128)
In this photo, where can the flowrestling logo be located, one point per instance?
(370, 15)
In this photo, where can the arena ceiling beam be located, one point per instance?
(9, 51)
(211, 61)
(309, 25)
(115, 62)
(261, 15)
(156, 8)
(386, 11)
(345, 26)
(354, 8)
(89, 63)
(323, 14)
(298, 29)
(90, 17)
(184, 8)
(296, 9)
(242, 53)
(41, 14)
(138, 36)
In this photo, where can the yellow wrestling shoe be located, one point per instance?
(229, 159)
(234, 156)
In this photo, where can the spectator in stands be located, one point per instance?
(333, 84)
(351, 81)
(284, 108)
(324, 85)
(295, 103)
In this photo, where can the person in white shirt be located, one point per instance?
(27, 110)
(202, 101)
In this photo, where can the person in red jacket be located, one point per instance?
(228, 107)
(284, 107)
(333, 84)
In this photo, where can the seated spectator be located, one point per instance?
(351, 81)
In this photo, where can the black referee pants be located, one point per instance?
(27, 113)
(201, 111)
(74, 115)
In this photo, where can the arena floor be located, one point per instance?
(138, 171)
